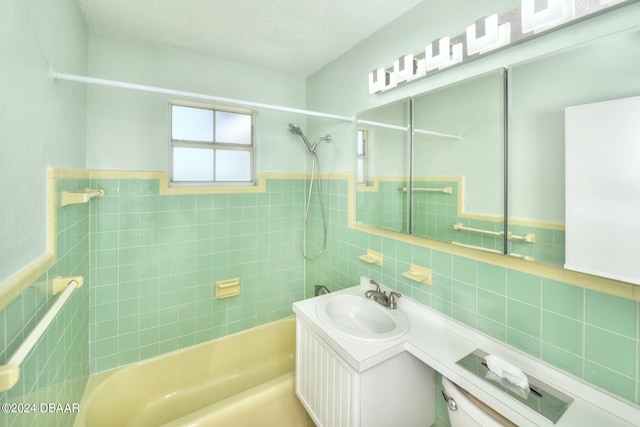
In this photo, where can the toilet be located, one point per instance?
(467, 411)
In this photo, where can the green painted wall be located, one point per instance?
(41, 123)
(127, 130)
(540, 91)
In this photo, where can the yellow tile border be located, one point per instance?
(459, 180)
(125, 174)
(549, 225)
(609, 286)
(376, 183)
(57, 172)
(166, 189)
(15, 284)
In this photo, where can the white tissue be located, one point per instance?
(506, 384)
(507, 371)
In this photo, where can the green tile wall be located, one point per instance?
(591, 335)
(156, 258)
(385, 208)
(152, 261)
(433, 213)
(548, 248)
(57, 369)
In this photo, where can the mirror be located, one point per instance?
(383, 166)
(539, 92)
(453, 139)
(458, 163)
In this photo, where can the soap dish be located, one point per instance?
(542, 398)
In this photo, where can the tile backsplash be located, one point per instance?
(157, 257)
(384, 203)
(151, 262)
(589, 334)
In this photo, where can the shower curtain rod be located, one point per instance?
(54, 75)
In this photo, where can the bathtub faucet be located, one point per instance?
(321, 290)
(381, 297)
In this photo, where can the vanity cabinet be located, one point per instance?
(397, 392)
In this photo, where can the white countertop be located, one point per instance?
(440, 342)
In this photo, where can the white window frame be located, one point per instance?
(173, 143)
(362, 157)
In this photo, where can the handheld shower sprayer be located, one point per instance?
(295, 130)
(315, 174)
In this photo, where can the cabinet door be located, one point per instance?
(602, 189)
(325, 384)
(400, 391)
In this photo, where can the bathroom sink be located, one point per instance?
(359, 318)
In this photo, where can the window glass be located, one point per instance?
(233, 165)
(192, 164)
(360, 143)
(233, 128)
(360, 156)
(191, 124)
(361, 177)
(210, 146)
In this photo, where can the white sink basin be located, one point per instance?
(359, 318)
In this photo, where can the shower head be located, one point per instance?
(295, 130)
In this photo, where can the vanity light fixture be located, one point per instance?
(541, 15)
(379, 79)
(441, 54)
(406, 68)
(486, 34)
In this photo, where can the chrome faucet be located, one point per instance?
(381, 296)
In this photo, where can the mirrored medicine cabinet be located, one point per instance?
(433, 165)
(383, 166)
(438, 171)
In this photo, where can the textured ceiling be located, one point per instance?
(295, 36)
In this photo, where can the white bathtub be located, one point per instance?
(245, 379)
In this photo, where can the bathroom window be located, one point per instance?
(210, 146)
(361, 159)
